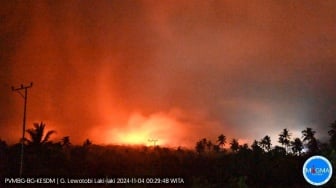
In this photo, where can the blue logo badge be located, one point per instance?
(317, 170)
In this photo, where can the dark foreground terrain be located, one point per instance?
(242, 168)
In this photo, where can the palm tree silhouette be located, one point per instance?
(265, 143)
(65, 142)
(308, 136)
(297, 146)
(244, 148)
(255, 147)
(221, 141)
(234, 145)
(200, 146)
(209, 145)
(37, 135)
(284, 138)
(332, 133)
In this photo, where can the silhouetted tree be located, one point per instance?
(200, 146)
(309, 137)
(3, 151)
(332, 133)
(3, 145)
(313, 146)
(234, 145)
(284, 138)
(209, 145)
(216, 148)
(221, 141)
(308, 134)
(65, 142)
(255, 147)
(244, 148)
(297, 146)
(265, 143)
(278, 151)
(37, 135)
(87, 143)
(3, 156)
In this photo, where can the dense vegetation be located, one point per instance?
(212, 164)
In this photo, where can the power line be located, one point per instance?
(24, 96)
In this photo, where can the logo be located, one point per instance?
(317, 170)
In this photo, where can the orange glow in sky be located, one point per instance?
(167, 129)
(140, 129)
(134, 138)
(123, 72)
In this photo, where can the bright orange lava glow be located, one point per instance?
(159, 129)
(134, 138)
(148, 131)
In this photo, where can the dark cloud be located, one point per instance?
(242, 69)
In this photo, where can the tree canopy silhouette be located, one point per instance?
(221, 141)
(256, 147)
(65, 142)
(297, 146)
(87, 143)
(284, 138)
(308, 136)
(38, 136)
(265, 143)
(234, 145)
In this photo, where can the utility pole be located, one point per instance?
(24, 96)
(153, 140)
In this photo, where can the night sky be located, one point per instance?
(177, 71)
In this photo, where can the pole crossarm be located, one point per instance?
(153, 140)
(22, 87)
